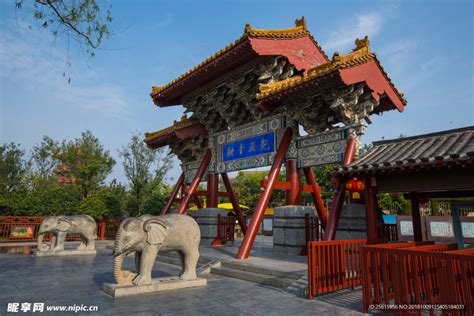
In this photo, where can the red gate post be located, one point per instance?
(293, 196)
(194, 185)
(335, 214)
(212, 188)
(257, 217)
(316, 193)
(235, 203)
(173, 194)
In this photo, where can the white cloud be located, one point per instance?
(343, 38)
(32, 62)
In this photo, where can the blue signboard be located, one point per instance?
(390, 219)
(249, 147)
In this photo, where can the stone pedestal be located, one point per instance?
(352, 223)
(69, 252)
(157, 285)
(289, 228)
(207, 220)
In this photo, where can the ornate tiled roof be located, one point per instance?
(299, 30)
(177, 125)
(361, 54)
(453, 147)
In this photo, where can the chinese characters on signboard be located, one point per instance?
(406, 228)
(248, 146)
(258, 145)
(255, 144)
(441, 229)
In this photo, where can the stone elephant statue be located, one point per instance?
(61, 226)
(147, 235)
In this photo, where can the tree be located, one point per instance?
(85, 21)
(85, 162)
(145, 170)
(323, 175)
(44, 164)
(247, 185)
(82, 22)
(12, 167)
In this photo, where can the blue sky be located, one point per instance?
(425, 46)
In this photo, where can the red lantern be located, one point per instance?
(355, 186)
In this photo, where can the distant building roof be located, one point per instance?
(445, 149)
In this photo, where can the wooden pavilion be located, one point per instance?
(436, 165)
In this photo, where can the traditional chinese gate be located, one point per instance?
(249, 102)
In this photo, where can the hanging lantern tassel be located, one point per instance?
(355, 186)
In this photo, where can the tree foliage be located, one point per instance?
(323, 175)
(85, 21)
(12, 167)
(145, 170)
(394, 203)
(68, 177)
(86, 163)
(247, 185)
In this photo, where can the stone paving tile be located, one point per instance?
(77, 280)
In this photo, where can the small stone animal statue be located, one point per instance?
(61, 226)
(147, 235)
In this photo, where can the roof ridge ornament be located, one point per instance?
(362, 44)
(248, 29)
(301, 22)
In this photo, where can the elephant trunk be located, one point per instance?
(40, 245)
(121, 276)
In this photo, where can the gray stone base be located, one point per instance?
(157, 285)
(353, 223)
(207, 220)
(71, 252)
(289, 228)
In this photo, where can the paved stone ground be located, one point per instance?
(261, 255)
(77, 280)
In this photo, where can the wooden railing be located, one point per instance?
(430, 275)
(225, 230)
(376, 272)
(333, 265)
(434, 278)
(25, 228)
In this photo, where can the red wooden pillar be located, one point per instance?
(212, 187)
(416, 217)
(371, 207)
(194, 185)
(293, 196)
(173, 194)
(235, 203)
(316, 193)
(102, 229)
(262, 203)
(335, 214)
